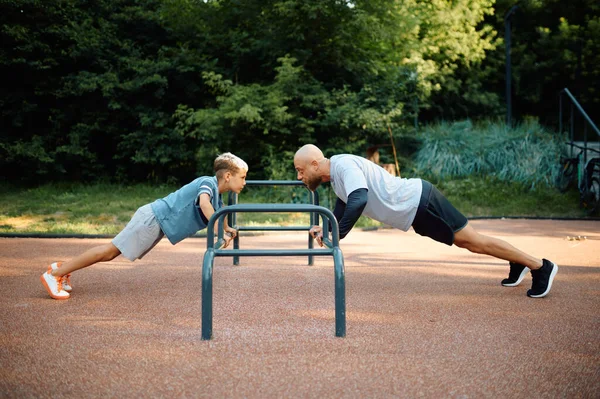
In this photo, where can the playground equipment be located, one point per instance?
(333, 249)
(232, 217)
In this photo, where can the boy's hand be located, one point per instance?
(316, 232)
(231, 231)
(227, 238)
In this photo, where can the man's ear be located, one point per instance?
(227, 176)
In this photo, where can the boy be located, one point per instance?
(179, 215)
(363, 187)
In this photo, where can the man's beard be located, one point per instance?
(314, 183)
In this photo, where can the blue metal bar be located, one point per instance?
(335, 251)
(314, 218)
(581, 110)
(207, 293)
(273, 208)
(273, 252)
(274, 183)
(274, 228)
(314, 221)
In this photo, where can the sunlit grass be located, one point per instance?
(106, 208)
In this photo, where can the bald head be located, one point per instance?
(308, 153)
(311, 165)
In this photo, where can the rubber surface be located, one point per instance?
(423, 320)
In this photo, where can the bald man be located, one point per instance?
(364, 188)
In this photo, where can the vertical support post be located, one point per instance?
(207, 293)
(236, 240)
(572, 129)
(584, 144)
(340, 292)
(313, 222)
(560, 117)
(507, 32)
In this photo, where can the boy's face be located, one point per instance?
(237, 182)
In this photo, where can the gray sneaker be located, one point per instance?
(516, 275)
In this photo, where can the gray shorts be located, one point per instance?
(140, 235)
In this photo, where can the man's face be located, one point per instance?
(307, 172)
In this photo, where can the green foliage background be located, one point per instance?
(153, 90)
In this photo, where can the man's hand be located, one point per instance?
(316, 232)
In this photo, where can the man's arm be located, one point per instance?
(345, 214)
(338, 211)
(357, 200)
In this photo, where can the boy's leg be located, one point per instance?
(101, 253)
(56, 278)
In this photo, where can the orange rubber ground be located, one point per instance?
(423, 320)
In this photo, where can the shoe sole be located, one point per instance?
(550, 280)
(521, 277)
(49, 291)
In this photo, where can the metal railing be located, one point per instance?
(232, 218)
(587, 122)
(213, 250)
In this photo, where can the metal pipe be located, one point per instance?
(507, 32)
(334, 250)
(273, 252)
(580, 108)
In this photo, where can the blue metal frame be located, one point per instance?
(213, 250)
(232, 217)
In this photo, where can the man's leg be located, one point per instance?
(470, 239)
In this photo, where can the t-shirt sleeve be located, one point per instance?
(353, 178)
(205, 188)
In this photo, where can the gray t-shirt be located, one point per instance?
(391, 200)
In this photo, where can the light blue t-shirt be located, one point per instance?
(179, 212)
(390, 200)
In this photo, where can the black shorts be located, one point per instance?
(436, 217)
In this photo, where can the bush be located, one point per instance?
(528, 154)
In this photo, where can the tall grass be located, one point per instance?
(527, 154)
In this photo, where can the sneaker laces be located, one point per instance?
(59, 287)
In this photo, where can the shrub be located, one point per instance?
(527, 154)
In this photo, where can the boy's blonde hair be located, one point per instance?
(228, 162)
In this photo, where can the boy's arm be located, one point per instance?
(207, 210)
(206, 207)
(228, 229)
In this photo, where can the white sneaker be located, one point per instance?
(54, 285)
(66, 279)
